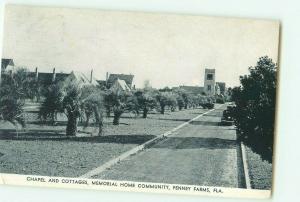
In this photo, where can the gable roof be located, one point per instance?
(47, 78)
(120, 85)
(128, 78)
(82, 78)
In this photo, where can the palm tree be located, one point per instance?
(119, 102)
(93, 104)
(12, 98)
(146, 100)
(71, 104)
(52, 103)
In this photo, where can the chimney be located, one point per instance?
(53, 75)
(36, 74)
(91, 79)
(107, 77)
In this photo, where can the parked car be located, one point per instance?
(227, 119)
(208, 105)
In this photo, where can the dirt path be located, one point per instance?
(202, 153)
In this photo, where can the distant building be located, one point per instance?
(209, 81)
(6, 63)
(82, 78)
(128, 78)
(120, 81)
(193, 89)
(47, 78)
(120, 86)
(210, 88)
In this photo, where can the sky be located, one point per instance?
(166, 49)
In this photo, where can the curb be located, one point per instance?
(245, 166)
(141, 147)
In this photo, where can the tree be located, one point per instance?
(71, 104)
(166, 99)
(93, 104)
(180, 102)
(228, 94)
(186, 98)
(53, 103)
(255, 107)
(132, 104)
(12, 97)
(146, 100)
(119, 102)
(180, 98)
(194, 101)
(220, 99)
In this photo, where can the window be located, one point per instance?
(208, 87)
(209, 77)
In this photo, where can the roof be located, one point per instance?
(61, 76)
(10, 68)
(83, 78)
(193, 89)
(210, 70)
(120, 85)
(47, 78)
(101, 82)
(128, 78)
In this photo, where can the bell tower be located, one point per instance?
(209, 81)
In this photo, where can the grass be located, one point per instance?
(45, 150)
(260, 171)
(59, 158)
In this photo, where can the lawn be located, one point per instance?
(45, 150)
(260, 171)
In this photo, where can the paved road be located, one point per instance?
(202, 153)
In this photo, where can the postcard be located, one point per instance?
(136, 101)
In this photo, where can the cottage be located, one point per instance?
(112, 78)
(117, 81)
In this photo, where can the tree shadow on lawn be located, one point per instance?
(205, 123)
(170, 119)
(197, 113)
(64, 123)
(213, 115)
(196, 143)
(55, 136)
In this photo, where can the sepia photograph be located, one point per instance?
(134, 101)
